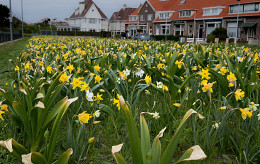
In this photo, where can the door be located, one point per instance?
(157, 30)
(200, 31)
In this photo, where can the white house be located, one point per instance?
(88, 17)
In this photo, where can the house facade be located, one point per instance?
(198, 18)
(88, 17)
(118, 19)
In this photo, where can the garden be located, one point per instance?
(89, 100)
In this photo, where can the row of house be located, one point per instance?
(190, 18)
(197, 18)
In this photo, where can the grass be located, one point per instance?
(9, 51)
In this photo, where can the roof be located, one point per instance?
(122, 14)
(88, 4)
(134, 13)
(198, 5)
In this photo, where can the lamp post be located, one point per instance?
(235, 41)
(22, 17)
(194, 28)
(11, 21)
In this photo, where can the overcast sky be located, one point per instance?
(35, 10)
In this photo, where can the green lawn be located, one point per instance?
(9, 51)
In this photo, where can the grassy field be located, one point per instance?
(76, 93)
(9, 51)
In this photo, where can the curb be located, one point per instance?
(9, 42)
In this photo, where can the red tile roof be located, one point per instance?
(88, 4)
(200, 4)
(134, 13)
(122, 14)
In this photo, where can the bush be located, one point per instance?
(169, 37)
(220, 33)
(102, 34)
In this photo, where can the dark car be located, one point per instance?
(141, 36)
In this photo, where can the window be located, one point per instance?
(150, 17)
(164, 15)
(212, 11)
(190, 30)
(253, 7)
(185, 13)
(232, 27)
(251, 32)
(179, 29)
(132, 18)
(92, 20)
(142, 18)
(165, 29)
(143, 29)
(92, 30)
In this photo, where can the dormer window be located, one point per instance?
(244, 8)
(132, 18)
(164, 15)
(186, 13)
(212, 11)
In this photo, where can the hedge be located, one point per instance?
(102, 34)
(169, 37)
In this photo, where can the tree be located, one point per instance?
(4, 16)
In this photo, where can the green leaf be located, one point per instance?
(38, 158)
(156, 148)
(6, 96)
(64, 158)
(135, 143)
(145, 138)
(171, 148)
(55, 128)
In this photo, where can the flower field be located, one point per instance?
(77, 100)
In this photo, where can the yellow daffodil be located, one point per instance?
(179, 63)
(76, 83)
(84, 86)
(239, 94)
(98, 97)
(17, 69)
(49, 69)
(91, 140)
(204, 74)
(64, 77)
(1, 112)
(223, 108)
(70, 68)
(148, 79)
(4, 107)
(232, 79)
(177, 105)
(246, 112)
(84, 117)
(223, 71)
(97, 79)
(97, 68)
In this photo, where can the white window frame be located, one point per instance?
(92, 20)
(150, 17)
(242, 8)
(142, 18)
(166, 27)
(183, 14)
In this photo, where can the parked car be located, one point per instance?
(141, 36)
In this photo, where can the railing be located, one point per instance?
(198, 40)
(4, 37)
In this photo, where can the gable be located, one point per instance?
(93, 12)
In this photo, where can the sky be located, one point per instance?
(35, 10)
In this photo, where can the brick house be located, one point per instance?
(132, 23)
(118, 19)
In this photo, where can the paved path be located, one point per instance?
(9, 42)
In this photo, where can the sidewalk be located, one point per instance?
(9, 42)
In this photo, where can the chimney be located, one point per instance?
(124, 7)
(81, 7)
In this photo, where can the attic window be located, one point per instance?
(146, 5)
(92, 10)
(146, 11)
(182, 2)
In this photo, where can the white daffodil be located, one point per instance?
(159, 84)
(96, 113)
(258, 117)
(253, 106)
(156, 115)
(140, 73)
(89, 96)
(127, 72)
(240, 59)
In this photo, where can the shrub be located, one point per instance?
(220, 33)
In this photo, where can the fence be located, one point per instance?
(4, 37)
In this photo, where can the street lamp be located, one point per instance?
(235, 41)
(11, 21)
(22, 17)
